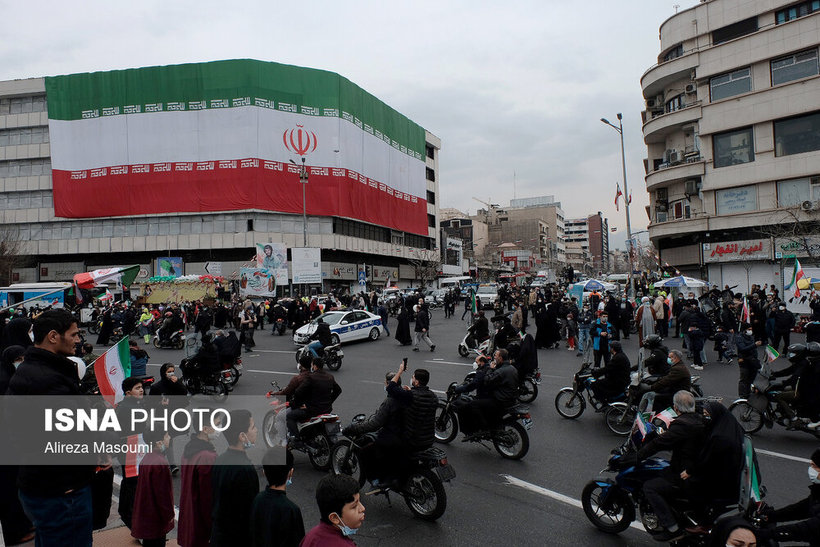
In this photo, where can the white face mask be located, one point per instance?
(17, 364)
(813, 475)
(475, 365)
(31, 335)
(749, 332)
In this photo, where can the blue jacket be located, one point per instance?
(595, 332)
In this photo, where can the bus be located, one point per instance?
(29, 295)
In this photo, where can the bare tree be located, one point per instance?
(11, 253)
(800, 228)
(427, 265)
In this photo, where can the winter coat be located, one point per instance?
(235, 485)
(599, 343)
(615, 373)
(676, 379)
(420, 405)
(503, 381)
(684, 439)
(196, 494)
(388, 420)
(317, 393)
(154, 501)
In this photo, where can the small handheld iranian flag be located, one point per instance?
(797, 275)
(111, 369)
(750, 477)
(771, 354)
(136, 452)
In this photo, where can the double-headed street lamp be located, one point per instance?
(620, 129)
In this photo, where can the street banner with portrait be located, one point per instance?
(169, 266)
(256, 282)
(306, 263)
(273, 257)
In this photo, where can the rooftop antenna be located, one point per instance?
(514, 193)
(676, 6)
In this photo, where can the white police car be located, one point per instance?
(344, 326)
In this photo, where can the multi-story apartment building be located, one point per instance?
(192, 161)
(589, 240)
(732, 129)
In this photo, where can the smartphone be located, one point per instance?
(404, 363)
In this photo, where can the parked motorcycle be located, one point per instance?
(331, 355)
(316, 435)
(175, 341)
(571, 403)
(510, 438)
(420, 481)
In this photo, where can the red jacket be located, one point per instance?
(326, 535)
(154, 502)
(196, 494)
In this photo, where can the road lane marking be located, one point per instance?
(557, 496)
(779, 455)
(442, 362)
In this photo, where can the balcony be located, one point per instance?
(657, 129)
(678, 227)
(691, 167)
(660, 76)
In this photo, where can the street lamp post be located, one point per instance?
(303, 180)
(620, 129)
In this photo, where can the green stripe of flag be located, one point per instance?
(226, 84)
(124, 354)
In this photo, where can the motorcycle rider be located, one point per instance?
(746, 359)
(167, 327)
(278, 311)
(502, 382)
(613, 378)
(796, 391)
(677, 379)
(684, 439)
(204, 363)
(303, 367)
(321, 338)
(481, 328)
(420, 404)
(388, 421)
(468, 417)
(504, 333)
(316, 394)
(655, 363)
(807, 511)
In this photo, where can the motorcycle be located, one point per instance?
(510, 438)
(216, 384)
(175, 341)
(280, 326)
(469, 344)
(331, 355)
(611, 504)
(420, 482)
(527, 386)
(571, 403)
(762, 408)
(620, 415)
(235, 370)
(316, 436)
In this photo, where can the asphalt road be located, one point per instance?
(494, 501)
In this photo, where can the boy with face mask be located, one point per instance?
(807, 511)
(341, 510)
(746, 359)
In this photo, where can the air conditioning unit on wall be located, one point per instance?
(691, 88)
(808, 206)
(690, 187)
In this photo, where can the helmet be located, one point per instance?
(615, 346)
(795, 352)
(652, 341)
(813, 349)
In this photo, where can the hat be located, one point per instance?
(644, 299)
(815, 458)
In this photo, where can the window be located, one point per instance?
(250, 225)
(431, 220)
(797, 135)
(679, 209)
(430, 151)
(675, 103)
(798, 10)
(794, 192)
(431, 175)
(794, 67)
(733, 147)
(735, 30)
(730, 84)
(673, 53)
(736, 200)
(431, 197)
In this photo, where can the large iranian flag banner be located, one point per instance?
(221, 136)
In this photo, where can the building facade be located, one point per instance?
(588, 239)
(79, 194)
(732, 129)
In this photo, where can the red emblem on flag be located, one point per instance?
(112, 371)
(299, 140)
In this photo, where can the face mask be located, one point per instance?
(31, 336)
(247, 444)
(813, 475)
(17, 364)
(345, 529)
(669, 360)
(749, 332)
(288, 482)
(213, 436)
(475, 366)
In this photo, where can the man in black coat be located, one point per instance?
(388, 422)
(684, 439)
(56, 497)
(807, 511)
(783, 324)
(613, 377)
(420, 405)
(317, 394)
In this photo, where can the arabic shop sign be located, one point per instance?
(737, 251)
(800, 247)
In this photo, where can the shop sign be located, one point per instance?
(737, 251)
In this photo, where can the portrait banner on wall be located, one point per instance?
(256, 282)
(306, 264)
(273, 257)
(169, 266)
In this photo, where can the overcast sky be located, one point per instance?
(509, 87)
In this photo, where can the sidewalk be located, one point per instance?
(114, 537)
